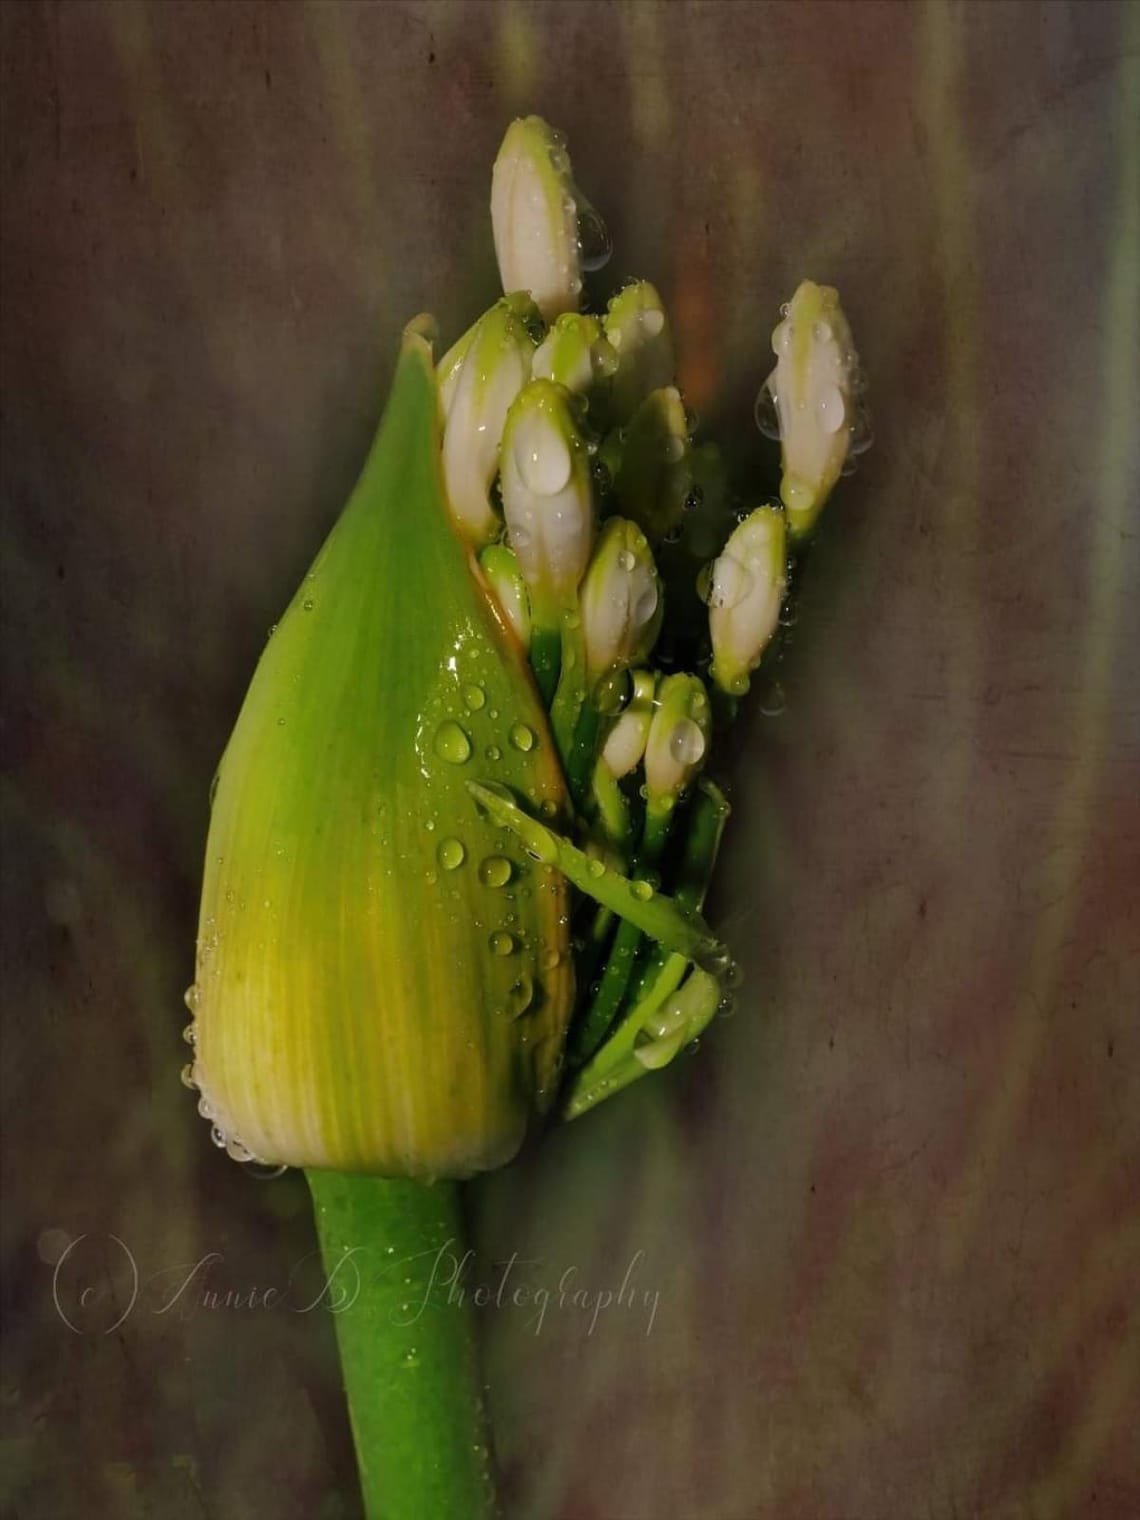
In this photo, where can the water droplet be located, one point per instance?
(191, 997)
(451, 743)
(652, 321)
(594, 242)
(186, 1076)
(596, 867)
(522, 737)
(767, 413)
(694, 499)
(502, 943)
(832, 409)
(686, 742)
(613, 693)
(190, 1034)
(642, 890)
(521, 995)
(496, 871)
(862, 436)
(451, 854)
(541, 454)
(674, 448)
(626, 560)
(474, 696)
(411, 1357)
(218, 1136)
(308, 604)
(773, 702)
(821, 331)
(550, 959)
(493, 752)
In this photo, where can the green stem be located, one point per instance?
(604, 1006)
(393, 1253)
(545, 659)
(570, 697)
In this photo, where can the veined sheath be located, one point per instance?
(383, 976)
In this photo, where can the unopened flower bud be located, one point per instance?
(476, 391)
(547, 500)
(678, 737)
(626, 740)
(575, 353)
(746, 588)
(813, 386)
(534, 215)
(638, 330)
(621, 599)
(501, 567)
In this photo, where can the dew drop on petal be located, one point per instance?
(451, 743)
(451, 854)
(686, 742)
(522, 737)
(495, 871)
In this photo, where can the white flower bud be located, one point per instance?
(813, 386)
(638, 330)
(504, 577)
(678, 737)
(547, 500)
(746, 588)
(477, 387)
(575, 353)
(534, 216)
(621, 599)
(626, 740)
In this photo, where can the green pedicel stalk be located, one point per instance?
(407, 1349)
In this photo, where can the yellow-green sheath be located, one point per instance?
(384, 976)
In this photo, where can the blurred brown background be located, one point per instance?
(889, 1215)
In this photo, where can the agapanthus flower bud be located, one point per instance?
(547, 497)
(625, 743)
(501, 567)
(813, 386)
(654, 474)
(476, 391)
(534, 215)
(621, 599)
(746, 587)
(638, 330)
(678, 737)
(575, 353)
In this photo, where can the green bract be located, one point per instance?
(384, 978)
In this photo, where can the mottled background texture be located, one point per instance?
(891, 1210)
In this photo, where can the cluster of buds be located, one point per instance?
(491, 704)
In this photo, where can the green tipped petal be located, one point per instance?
(501, 568)
(476, 390)
(534, 217)
(621, 599)
(547, 496)
(625, 743)
(814, 388)
(678, 737)
(575, 353)
(383, 976)
(637, 327)
(745, 592)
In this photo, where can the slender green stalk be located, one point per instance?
(545, 659)
(392, 1252)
